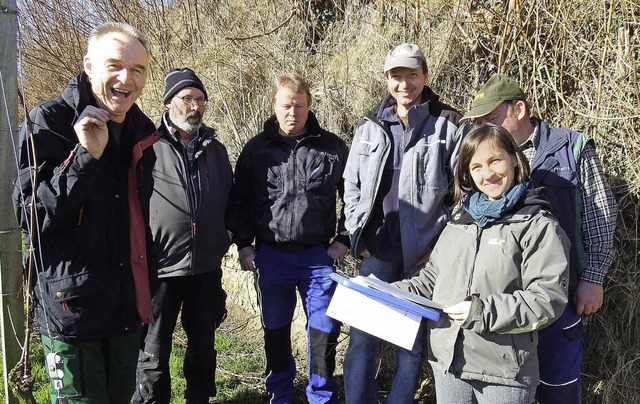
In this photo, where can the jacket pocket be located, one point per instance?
(429, 174)
(79, 304)
(320, 175)
(494, 355)
(275, 183)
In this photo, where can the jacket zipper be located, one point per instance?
(294, 189)
(190, 198)
(475, 257)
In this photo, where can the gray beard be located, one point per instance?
(190, 128)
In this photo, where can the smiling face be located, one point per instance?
(406, 85)
(292, 110)
(492, 170)
(116, 65)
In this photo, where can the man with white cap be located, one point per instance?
(192, 179)
(397, 180)
(565, 163)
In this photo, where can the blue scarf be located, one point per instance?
(484, 210)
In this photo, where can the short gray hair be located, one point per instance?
(120, 27)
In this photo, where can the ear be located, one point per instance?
(86, 62)
(521, 110)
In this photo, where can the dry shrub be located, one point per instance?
(578, 61)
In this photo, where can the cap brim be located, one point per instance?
(481, 110)
(408, 62)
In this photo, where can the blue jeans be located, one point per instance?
(279, 275)
(453, 390)
(360, 361)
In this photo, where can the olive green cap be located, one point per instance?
(498, 89)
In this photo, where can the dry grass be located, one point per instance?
(579, 61)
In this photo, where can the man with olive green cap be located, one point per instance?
(566, 164)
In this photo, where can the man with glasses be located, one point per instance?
(566, 164)
(192, 178)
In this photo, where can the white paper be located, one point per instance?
(387, 322)
(374, 283)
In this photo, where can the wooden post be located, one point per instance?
(11, 298)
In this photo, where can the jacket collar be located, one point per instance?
(547, 144)
(428, 97)
(272, 134)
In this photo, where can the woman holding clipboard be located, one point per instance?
(500, 268)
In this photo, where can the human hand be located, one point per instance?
(91, 129)
(246, 255)
(459, 312)
(588, 297)
(337, 250)
(365, 253)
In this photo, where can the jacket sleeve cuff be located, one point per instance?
(474, 319)
(343, 239)
(243, 243)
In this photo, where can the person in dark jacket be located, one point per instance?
(286, 181)
(501, 269)
(565, 163)
(82, 159)
(192, 179)
(397, 179)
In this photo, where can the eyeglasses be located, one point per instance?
(190, 100)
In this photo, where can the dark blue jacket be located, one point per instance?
(285, 188)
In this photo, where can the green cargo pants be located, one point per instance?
(97, 372)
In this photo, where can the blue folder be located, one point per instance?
(380, 296)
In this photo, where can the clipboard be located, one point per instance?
(380, 296)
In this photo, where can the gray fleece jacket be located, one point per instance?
(426, 174)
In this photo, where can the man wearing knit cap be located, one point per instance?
(565, 163)
(397, 180)
(192, 178)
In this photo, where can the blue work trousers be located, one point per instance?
(560, 353)
(279, 274)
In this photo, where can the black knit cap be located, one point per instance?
(177, 79)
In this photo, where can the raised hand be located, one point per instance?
(91, 129)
